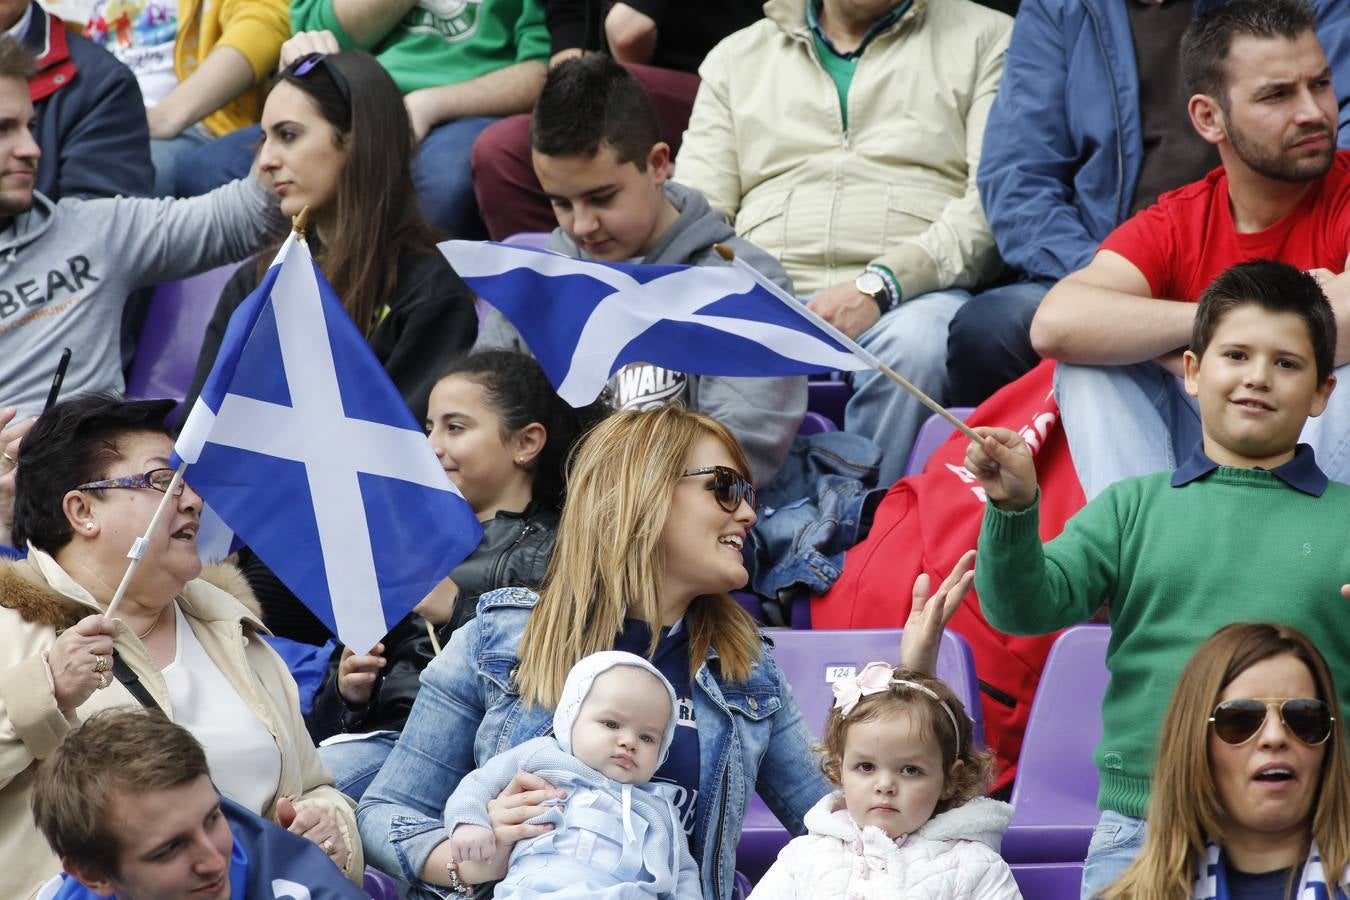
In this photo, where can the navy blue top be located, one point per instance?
(1301, 473)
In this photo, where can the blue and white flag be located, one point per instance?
(303, 447)
(584, 320)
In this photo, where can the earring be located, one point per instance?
(88, 526)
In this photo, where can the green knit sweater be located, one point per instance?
(1175, 564)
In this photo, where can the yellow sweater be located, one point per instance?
(256, 28)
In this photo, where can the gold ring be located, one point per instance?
(4, 454)
(328, 846)
(103, 681)
(101, 663)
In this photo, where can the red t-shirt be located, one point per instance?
(1182, 242)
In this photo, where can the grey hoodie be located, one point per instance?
(763, 413)
(66, 269)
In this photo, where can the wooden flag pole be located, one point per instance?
(138, 546)
(730, 256)
(300, 221)
(431, 633)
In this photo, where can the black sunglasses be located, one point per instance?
(1238, 721)
(730, 488)
(307, 63)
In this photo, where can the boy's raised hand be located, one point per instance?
(1002, 461)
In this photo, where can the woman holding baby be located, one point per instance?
(649, 545)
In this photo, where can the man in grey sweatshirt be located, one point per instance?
(597, 153)
(66, 268)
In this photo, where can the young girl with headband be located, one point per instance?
(909, 819)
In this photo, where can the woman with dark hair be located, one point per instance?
(93, 471)
(1251, 792)
(503, 436)
(336, 139)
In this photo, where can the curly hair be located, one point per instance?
(969, 781)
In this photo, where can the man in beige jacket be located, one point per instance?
(843, 136)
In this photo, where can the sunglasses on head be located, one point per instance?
(730, 488)
(307, 63)
(1238, 721)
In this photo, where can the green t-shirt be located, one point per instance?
(841, 66)
(443, 41)
(1174, 564)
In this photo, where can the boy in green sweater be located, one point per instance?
(1248, 528)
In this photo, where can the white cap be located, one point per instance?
(578, 685)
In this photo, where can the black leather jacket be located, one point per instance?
(514, 553)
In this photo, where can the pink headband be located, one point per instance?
(874, 678)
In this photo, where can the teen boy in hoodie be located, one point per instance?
(1248, 528)
(598, 154)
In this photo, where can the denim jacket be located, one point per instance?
(751, 738)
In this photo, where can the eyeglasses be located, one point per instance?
(155, 480)
(307, 63)
(730, 488)
(1238, 721)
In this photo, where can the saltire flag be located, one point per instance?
(584, 320)
(303, 447)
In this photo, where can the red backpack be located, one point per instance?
(926, 521)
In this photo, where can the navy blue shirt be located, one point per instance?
(681, 767)
(1301, 473)
(1277, 885)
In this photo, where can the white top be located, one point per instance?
(243, 756)
(141, 34)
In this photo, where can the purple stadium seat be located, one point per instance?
(380, 886)
(536, 239)
(1055, 797)
(808, 660)
(171, 339)
(932, 435)
(741, 888)
(828, 397)
(815, 423)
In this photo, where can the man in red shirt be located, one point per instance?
(1262, 94)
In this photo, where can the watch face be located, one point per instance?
(870, 283)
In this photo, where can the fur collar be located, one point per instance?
(24, 590)
(981, 819)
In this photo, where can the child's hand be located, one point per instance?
(1002, 462)
(922, 636)
(472, 843)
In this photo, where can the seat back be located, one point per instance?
(811, 661)
(380, 886)
(815, 423)
(932, 434)
(171, 338)
(1055, 796)
(828, 397)
(536, 239)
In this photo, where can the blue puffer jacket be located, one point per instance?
(1063, 145)
(751, 737)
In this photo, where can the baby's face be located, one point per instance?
(619, 728)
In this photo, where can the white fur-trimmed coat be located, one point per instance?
(954, 856)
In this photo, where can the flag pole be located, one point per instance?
(431, 633)
(300, 221)
(138, 546)
(857, 350)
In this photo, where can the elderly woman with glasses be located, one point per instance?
(657, 507)
(1251, 792)
(93, 471)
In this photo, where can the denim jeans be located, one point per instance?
(1124, 421)
(355, 763)
(167, 155)
(989, 344)
(1115, 843)
(912, 339)
(441, 172)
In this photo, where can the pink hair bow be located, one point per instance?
(874, 678)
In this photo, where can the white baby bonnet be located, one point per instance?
(578, 685)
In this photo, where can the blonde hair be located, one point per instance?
(1184, 810)
(607, 565)
(971, 780)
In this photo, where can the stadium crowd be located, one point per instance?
(1138, 206)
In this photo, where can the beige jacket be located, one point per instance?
(37, 598)
(767, 146)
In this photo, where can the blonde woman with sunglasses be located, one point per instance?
(649, 545)
(1251, 793)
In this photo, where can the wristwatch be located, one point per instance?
(873, 285)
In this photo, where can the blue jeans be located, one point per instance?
(168, 156)
(989, 344)
(440, 173)
(355, 764)
(1124, 421)
(1115, 843)
(912, 339)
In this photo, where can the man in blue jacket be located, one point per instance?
(127, 802)
(1089, 127)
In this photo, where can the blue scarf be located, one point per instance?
(1211, 880)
